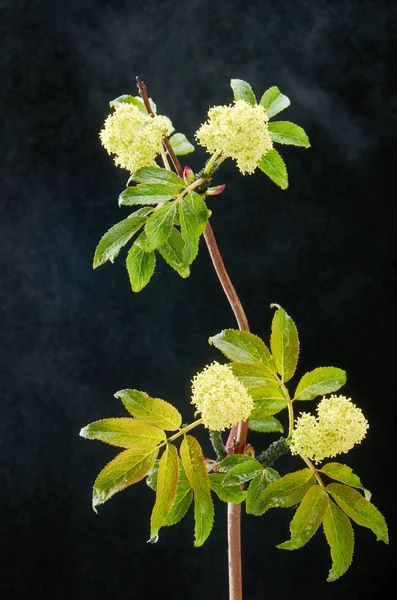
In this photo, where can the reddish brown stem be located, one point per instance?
(240, 432)
(224, 279)
(233, 510)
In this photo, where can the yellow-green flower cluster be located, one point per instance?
(339, 425)
(238, 131)
(133, 137)
(219, 396)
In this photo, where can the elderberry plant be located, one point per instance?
(249, 390)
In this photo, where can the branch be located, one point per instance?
(143, 94)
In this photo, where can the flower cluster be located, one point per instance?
(238, 131)
(133, 137)
(339, 425)
(219, 396)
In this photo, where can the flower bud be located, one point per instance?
(188, 175)
(215, 191)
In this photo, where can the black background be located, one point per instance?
(324, 249)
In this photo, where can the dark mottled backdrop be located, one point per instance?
(71, 337)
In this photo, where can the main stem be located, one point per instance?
(240, 433)
(233, 510)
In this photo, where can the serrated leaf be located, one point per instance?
(136, 100)
(232, 494)
(124, 433)
(183, 499)
(172, 252)
(360, 510)
(265, 424)
(148, 193)
(242, 91)
(340, 537)
(197, 474)
(284, 132)
(155, 411)
(253, 376)
(159, 176)
(274, 167)
(111, 243)
(228, 463)
(167, 481)
(284, 343)
(193, 217)
(243, 472)
(307, 518)
(180, 144)
(257, 485)
(242, 347)
(273, 101)
(284, 492)
(130, 466)
(323, 380)
(344, 474)
(159, 225)
(140, 266)
(268, 401)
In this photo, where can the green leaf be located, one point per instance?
(274, 167)
(323, 380)
(340, 537)
(130, 466)
(157, 175)
(269, 400)
(243, 472)
(111, 243)
(284, 492)
(193, 217)
(242, 91)
(136, 100)
(360, 510)
(265, 424)
(253, 376)
(151, 479)
(124, 433)
(242, 347)
(307, 518)
(197, 474)
(172, 252)
(140, 266)
(344, 474)
(148, 193)
(232, 494)
(152, 410)
(257, 485)
(284, 132)
(167, 481)
(284, 343)
(183, 499)
(180, 144)
(273, 101)
(228, 463)
(158, 226)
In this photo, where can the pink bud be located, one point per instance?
(215, 191)
(188, 175)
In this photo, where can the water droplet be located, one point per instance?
(153, 540)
